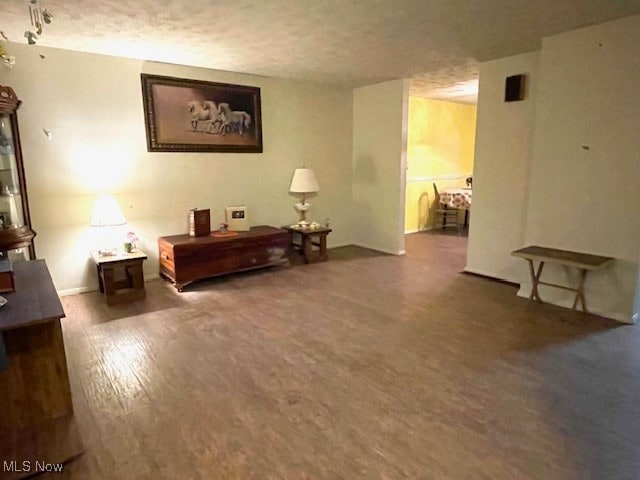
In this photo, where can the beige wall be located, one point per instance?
(440, 149)
(93, 106)
(379, 165)
(586, 164)
(575, 181)
(504, 140)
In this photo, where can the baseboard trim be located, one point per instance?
(339, 245)
(78, 290)
(419, 230)
(490, 277)
(562, 303)
(75, 291)
(568, 303)
(377, 249)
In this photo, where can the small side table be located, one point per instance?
(303, 241)
(584, 262)
(128, 265)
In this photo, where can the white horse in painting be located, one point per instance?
(232, 120)
(205, 112)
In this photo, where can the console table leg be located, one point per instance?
(535, 279)
(580, 292)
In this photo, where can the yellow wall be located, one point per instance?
(441, 142)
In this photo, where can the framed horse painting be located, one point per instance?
(198, 116)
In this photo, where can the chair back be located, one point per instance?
(438, 199)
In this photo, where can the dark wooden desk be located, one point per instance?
(584, 262)
(36, 420)
(303, 241)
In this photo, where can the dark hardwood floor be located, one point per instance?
(368, 366)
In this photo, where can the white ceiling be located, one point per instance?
(436, 43)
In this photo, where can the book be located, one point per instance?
(199, 222)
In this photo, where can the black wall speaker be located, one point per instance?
(514, 88)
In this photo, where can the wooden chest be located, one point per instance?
(184, 259)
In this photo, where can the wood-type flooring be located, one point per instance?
(368, 366)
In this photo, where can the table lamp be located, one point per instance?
(304, 181)
(106, 216)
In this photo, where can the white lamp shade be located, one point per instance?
(304, 181)
(106, 212)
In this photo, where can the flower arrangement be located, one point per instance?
(130, 240)
(132, 237)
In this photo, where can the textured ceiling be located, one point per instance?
(436, 43)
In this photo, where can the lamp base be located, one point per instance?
(302, 209)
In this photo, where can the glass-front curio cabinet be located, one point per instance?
(16, 235)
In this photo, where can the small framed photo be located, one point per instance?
(236, 217)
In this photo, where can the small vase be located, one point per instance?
(128, 246)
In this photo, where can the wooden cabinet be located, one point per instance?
(36, 417)
(15, 223)
(184, 259)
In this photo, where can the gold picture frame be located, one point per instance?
(197, 116)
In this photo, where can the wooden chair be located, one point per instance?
(446, 216)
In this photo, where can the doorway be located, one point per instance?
(440, 152)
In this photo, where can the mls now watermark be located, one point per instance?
(31, 467)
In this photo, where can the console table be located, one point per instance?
(185, 259)
(36, 421)
(584, 262)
